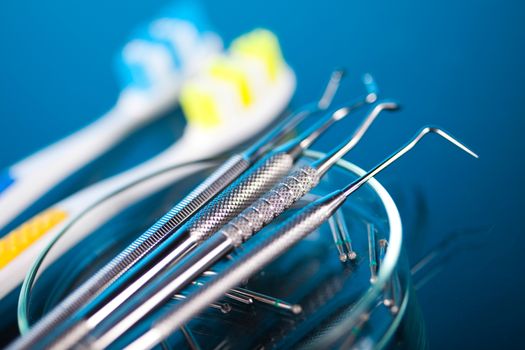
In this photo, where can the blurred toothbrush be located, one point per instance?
(233, 99)
(152, 67)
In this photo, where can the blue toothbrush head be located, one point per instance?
(171, 47)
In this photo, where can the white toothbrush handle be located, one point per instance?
(15, 271)
(37, 174)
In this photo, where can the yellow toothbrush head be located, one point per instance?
(240, 87)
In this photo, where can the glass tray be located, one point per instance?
(344, 304)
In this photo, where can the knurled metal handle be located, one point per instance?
(239, 195)
(281, 197)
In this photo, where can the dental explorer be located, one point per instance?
(277, 200)
(292, 231)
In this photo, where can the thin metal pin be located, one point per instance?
(343, 231)
(241, 299)
(222, 307)
(383, 244)
(190, 338)
(372, 257)
(388, 298)
(338, 240)
(268, 300)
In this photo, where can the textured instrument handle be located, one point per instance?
(291, 232)
(239, 195)
(281, 197)
(155, 235)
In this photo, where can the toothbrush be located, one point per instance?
(226, 122)
(152, 67)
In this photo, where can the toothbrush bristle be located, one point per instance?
(234, 83)
(226, 70)
(175, 44)
(263, 45)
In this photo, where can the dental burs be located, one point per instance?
(341, 237)
(273, 203)
(229, 203)
(293, 230)
(372, 251)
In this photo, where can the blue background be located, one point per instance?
(459, 64)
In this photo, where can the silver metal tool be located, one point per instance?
(269, 300)
(190, 338)
(233, 295)
(372, 251)
(232, 235)
(345, 235)
(292, 231)
(338, 240)
(341, 237)
(195, 200)
(246, 189)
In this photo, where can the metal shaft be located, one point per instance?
(263, 145)
(235, 166)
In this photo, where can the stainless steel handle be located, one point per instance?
(243, 192)
(281, 197)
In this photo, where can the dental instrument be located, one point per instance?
(241, 228)
(372, 251)
(292, 231)
(223, 208)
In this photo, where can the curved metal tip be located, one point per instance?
(403, 150)
(326, 163)
(331, 88)
(436, 130)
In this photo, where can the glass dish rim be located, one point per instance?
(387, 269)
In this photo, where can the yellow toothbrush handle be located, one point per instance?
(18, 240)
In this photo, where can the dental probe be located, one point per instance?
(291, 232)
